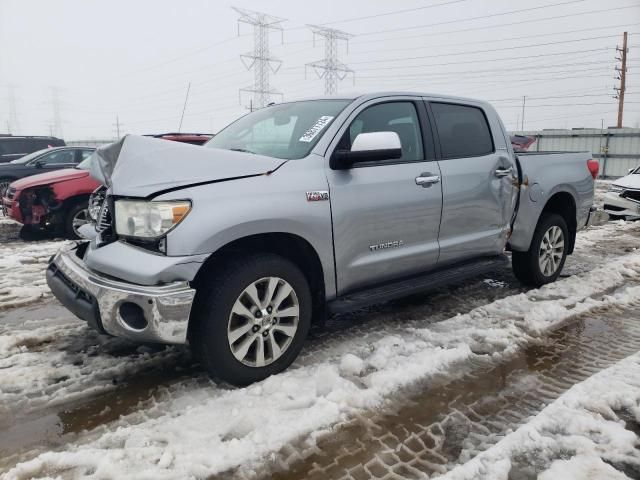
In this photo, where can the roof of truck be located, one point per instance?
(372, 95)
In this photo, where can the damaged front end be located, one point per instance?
(39, 208)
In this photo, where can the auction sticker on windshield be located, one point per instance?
(310, 134)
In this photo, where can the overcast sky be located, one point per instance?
(134, 59)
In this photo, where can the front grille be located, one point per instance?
(631, 195)
(104, 218)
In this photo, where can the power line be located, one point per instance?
(480, 17)
(505, 39)
(488, 60)
(394, 12)
(397, 59)
(489, 27)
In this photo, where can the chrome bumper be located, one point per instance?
(161, 312)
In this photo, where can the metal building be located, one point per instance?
(617, 149)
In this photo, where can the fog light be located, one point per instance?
(133, 316)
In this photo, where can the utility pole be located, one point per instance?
(260, 60)
(13, 112)
(57, 119)
(524, 101)
(331, 68)
(117, 125)
(184, 107)
(622, 77)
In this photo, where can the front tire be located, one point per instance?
(4, 185)
(544, 260)
(77, 216)
(250, 319)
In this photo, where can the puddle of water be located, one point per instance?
(51, 430)
(449, 422)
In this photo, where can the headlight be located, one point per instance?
(147, 219)
(616, 189)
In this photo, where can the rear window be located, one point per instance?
(463, 130)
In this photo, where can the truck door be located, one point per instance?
(477, 182)
(386, 216)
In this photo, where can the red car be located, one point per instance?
(52, 201)
(57, 202)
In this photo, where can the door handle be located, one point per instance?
(427, 179)
(503, 172)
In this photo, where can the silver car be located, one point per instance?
(303, 209)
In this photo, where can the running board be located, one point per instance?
(420, 284)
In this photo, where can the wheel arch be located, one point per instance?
(288, 245)
(563, 203)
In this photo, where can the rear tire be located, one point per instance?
(543, 262)
(249, 346)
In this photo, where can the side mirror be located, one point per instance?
(368, 147)
(40, 163)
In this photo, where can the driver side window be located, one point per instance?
(398, 117)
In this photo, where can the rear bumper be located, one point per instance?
(102, 301)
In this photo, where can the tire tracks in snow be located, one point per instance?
(179, 433)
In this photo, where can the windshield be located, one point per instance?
(28, 158)
(288, 131)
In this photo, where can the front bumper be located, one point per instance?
(10, 209)
(616, 205)
(161, 312)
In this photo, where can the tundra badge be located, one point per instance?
(317, 196)
(383, 246)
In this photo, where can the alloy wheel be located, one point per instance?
(79, 219)
(263, 321)
(551, 251)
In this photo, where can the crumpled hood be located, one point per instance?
(49, 178)
(141, 166)
(630, 181)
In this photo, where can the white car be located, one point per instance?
(623, 198)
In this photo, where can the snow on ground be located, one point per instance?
(203, 430)
(22, 267)
(573, 436)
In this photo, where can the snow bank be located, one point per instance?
(22, 267)
(580, 424)
(198, 432)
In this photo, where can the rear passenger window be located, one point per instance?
(463, 130)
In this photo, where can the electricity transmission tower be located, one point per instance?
(14, 126)
(622, 70)
(331, 68)
(260, 60)
(57, 119)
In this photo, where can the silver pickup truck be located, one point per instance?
(309, 208)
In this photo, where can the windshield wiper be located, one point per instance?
(244, 150)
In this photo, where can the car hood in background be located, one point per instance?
(140, 166)
(630, 181)
(49, 178)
